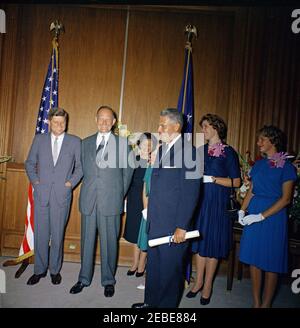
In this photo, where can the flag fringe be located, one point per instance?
(19, 259)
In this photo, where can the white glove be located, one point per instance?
(144, 212)
(241, 215)
(207, 179)
(252, 218)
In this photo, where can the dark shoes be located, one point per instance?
(131, 272)
(109, 290)
(77, 288)
(191, 294)
(137, 274)
(140, 306)
(204, 301)
(34, 279)
(56, 279)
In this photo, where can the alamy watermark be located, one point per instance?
(296, 283)
(2, 282)
(296, 23)
(2, 21)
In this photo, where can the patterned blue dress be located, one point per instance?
(213, 222)
(265, 244)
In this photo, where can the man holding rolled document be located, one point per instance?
(174, 194)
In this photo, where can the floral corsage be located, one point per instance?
(278, 160)
(217, 150)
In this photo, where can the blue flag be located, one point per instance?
(186, 107)
(186, 98)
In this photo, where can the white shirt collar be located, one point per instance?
(173, 142)
(99, 137)
(59, 138)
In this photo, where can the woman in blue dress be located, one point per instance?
(221, 168)
(264, 242)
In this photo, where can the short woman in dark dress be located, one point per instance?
(135, 203)
(264, 242)
(221, 164)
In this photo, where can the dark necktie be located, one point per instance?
(101, 146)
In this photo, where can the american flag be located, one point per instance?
(49, 100)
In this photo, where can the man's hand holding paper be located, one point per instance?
(179, 236)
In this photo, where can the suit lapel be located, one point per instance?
(111, 144)
(171, 154)
(92, 147)
(63, 149)
(49, 148)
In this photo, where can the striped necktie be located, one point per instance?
(101, 146)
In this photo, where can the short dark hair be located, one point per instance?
(217, 123)
(57, 111)
(147, 136)
(173, 115)
(109, 108)
(275, 135)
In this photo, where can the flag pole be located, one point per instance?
(190, 31)
(55, 27)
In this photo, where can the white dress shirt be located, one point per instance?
(172, 143)
(99, 138)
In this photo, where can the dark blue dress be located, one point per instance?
(213, 222)
(265, 244)
(135, 203)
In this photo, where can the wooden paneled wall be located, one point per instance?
(245, 70)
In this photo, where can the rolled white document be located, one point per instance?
(207, 179)
(169, 239)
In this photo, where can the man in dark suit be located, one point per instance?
(54, 168)
(174, 193)
(107, 176)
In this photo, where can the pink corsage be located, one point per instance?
(217, 150)
(278, 160)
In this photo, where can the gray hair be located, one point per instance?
(173, 115)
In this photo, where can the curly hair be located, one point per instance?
(217, 123)
(275, 135)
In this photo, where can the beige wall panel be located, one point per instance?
(154, 70)
(15, 200)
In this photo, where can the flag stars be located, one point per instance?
(55, 92)
(189, 117)
(44, 98)
(39, 119)
(37, 129)
(42, 108)
(51, 102)
(47, 88)
(45, 121)
(50, 78)
(43, 131)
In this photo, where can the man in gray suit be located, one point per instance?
(107, 168)
(54, 168)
